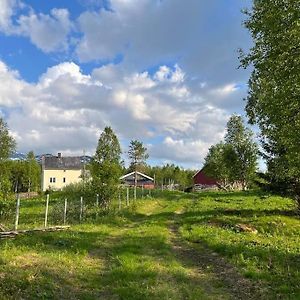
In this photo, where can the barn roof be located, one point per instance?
(198, 172)
(138, 173)
(62, 163)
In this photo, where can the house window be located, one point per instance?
(52, 179)
(64, 180)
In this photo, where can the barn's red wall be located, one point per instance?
(201, 178)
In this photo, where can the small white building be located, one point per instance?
(58, 171)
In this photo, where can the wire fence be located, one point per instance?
(55, 209)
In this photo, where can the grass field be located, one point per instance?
(176, 246)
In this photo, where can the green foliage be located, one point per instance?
(170, 174)
(33, 173)
(233, 162)
(274, 91)
(106, 166)
(7, 142)
(243, 154)
(5, 183)
(7, 146)
(218, 164)
(74, 191)
(25, 175)
(137, 155)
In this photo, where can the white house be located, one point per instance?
(58, 171)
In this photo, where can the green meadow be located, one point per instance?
(171, 246)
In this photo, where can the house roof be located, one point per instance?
(138, 173)
(62, 163)
(198, 172)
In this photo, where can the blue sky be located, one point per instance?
(161, 71)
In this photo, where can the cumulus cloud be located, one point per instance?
(203, 36)
(7, 8)
(143, 29)
(175, 87)
(11, 87)
(66, 109)
(183, 151)
(49, 32)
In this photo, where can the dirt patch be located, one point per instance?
(205, 259)
(246, 228)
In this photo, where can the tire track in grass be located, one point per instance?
(206, 260)
(190, 268)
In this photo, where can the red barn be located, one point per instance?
(202, 181)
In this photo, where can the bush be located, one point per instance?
(75, 190)
(7, 208)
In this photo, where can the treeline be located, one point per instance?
(16, 176)
(25, 175)
(170, 176)
(273, 98)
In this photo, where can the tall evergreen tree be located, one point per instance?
(137, 155)
(274, 90)
(107, 166)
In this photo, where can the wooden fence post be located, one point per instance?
(120, 202)
(46, 211)
(134, 191)
(65, 211)
(81, 208)
(17, 213)
(127, 196)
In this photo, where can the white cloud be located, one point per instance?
(11, 87)
(184, 151)
(225, 90)
(66, 109)
(47, 32)
(175, 87)
(149, 32)
(6, 12)
(145, 30)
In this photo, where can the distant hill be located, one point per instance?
(18, 156)
(22, 156)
